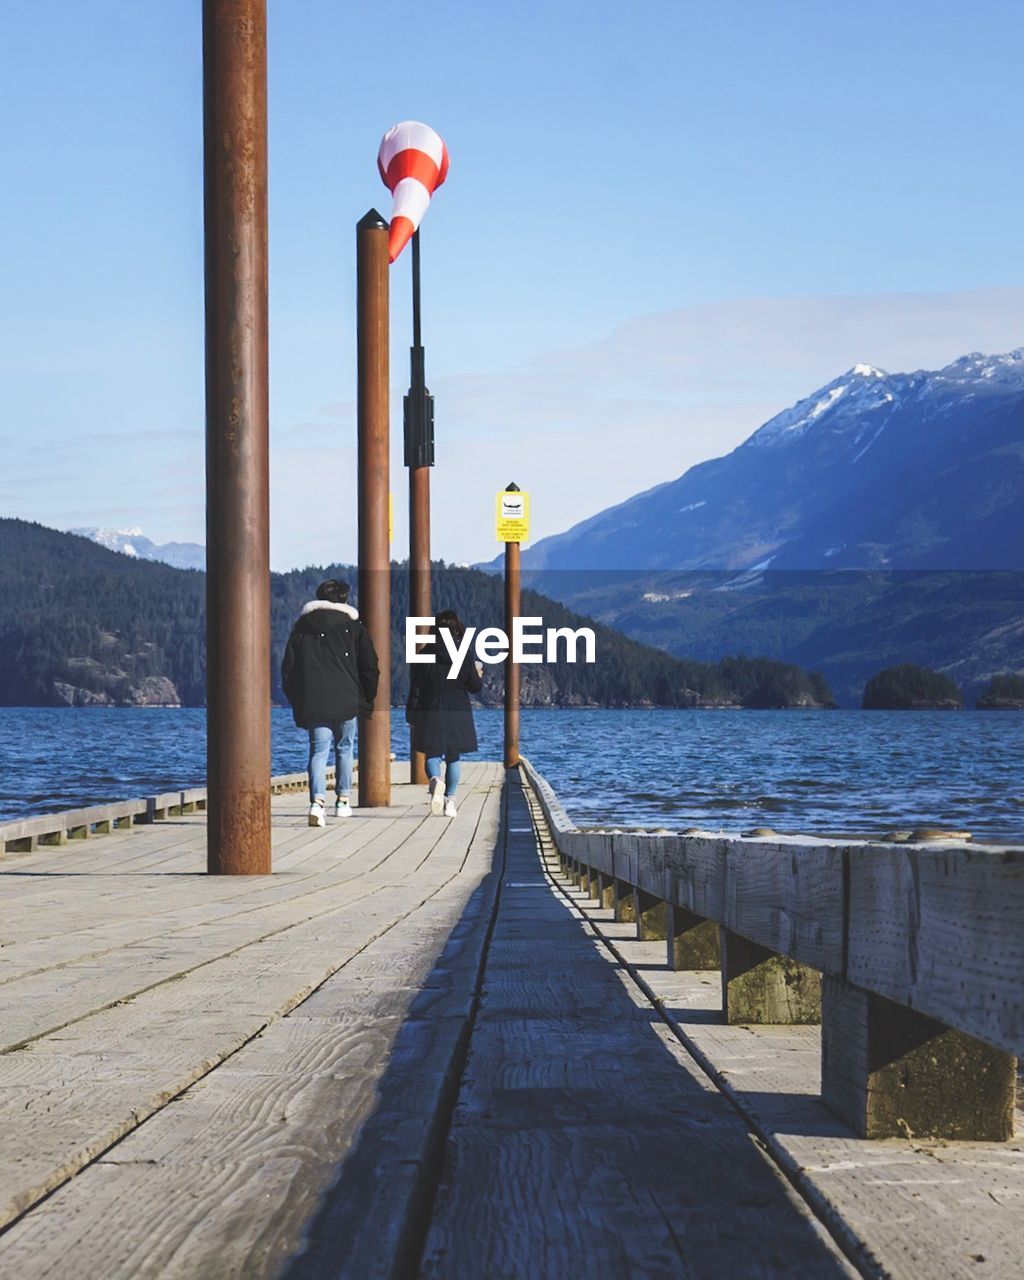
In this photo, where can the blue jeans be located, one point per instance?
(451, 777)
(323, 736)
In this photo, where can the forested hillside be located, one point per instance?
(81, 625)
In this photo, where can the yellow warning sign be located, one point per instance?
(512, 518)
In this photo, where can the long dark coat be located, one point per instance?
(439, 709)
(329, 671)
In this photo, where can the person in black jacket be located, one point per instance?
(329, 674)
(440, 714)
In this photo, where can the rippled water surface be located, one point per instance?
(841, 772)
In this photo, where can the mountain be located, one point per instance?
(81, 625)
(873, 471)
(133, 542)
(847, 624)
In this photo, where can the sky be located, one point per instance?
(664, 222)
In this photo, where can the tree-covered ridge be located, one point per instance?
(1003, 693)
(80, 624)
(909, 688)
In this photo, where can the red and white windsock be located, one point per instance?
(413, 162)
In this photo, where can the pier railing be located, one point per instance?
(910, 956)
(24, 835)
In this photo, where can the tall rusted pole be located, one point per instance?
(512, 610)
(374, 544)
(237, 469)
(419, 577)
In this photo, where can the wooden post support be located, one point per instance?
(692, 940)
(651, 916)
(374, 543)
(606, 890)
(585, 880)
(891, 1072)
(759, 986)
(237, 437)
(624, 901)
(512, 611)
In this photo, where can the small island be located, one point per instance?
(911, 688)
(1002, 693)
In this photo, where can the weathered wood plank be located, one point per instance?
(942, 931)
(585, 1143)
(237, 967)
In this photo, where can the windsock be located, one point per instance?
(413, 162)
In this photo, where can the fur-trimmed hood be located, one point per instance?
(328, 604)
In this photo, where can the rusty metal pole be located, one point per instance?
(372, 336)
(237, 467)
(512, 610)
(419, 578)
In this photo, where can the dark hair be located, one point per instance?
(451, 621)
(333, 590)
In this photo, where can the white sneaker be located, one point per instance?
(450, 810)
(436, 789)
(342, 808)
(316, 814)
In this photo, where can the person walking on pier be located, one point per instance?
(441, 715)
(329, 674)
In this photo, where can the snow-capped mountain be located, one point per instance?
(133, 542)
(903, 471)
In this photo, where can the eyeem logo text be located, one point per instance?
(531, 642)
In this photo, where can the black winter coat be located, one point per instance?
(438, 708)
(329, 670)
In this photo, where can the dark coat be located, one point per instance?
(439, 709)
(329, 670)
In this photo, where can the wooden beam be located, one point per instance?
(624, 901)
(942, 930)
(692, 940)
(760, 986)
(650, 916)
(891, 1072)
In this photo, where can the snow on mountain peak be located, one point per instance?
(864, 388)
(861, 388)
(1008, 367)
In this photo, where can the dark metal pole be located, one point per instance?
(237, 467)
(512, 610)
(374, 542)
(419, 458)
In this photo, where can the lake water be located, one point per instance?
(817, 772)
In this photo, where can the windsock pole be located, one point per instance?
(419, 458)
(374, 542)
(237, 438)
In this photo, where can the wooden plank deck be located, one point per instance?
(186, 1061)
(407, 1053)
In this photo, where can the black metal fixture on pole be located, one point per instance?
(419, 403)
(419, 458)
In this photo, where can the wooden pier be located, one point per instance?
(497, 1047)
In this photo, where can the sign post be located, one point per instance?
(512, 526)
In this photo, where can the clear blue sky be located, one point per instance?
(610, 163)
